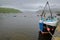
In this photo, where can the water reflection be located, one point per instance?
(44, 36)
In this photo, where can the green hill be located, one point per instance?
(9, 10)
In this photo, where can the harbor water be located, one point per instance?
(19, 26)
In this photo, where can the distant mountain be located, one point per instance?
(9, 10)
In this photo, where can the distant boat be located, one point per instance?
(58, 14)
(14, 16)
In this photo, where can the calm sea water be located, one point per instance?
(19, 26)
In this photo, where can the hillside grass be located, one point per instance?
(9, 10)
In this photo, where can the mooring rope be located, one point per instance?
(51, 34)
(53, 38)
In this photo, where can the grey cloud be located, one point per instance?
(29, 4)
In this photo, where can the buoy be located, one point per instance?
(48, 29)
(24, 16)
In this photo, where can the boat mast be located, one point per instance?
(49, 9)
(44, 10)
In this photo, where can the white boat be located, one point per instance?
(50, 22)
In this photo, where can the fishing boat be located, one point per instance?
(48, 24)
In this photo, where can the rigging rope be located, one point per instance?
(44, 10)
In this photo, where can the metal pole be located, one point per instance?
(43, 10)
(49, 9)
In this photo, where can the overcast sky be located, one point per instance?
(29, 4)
